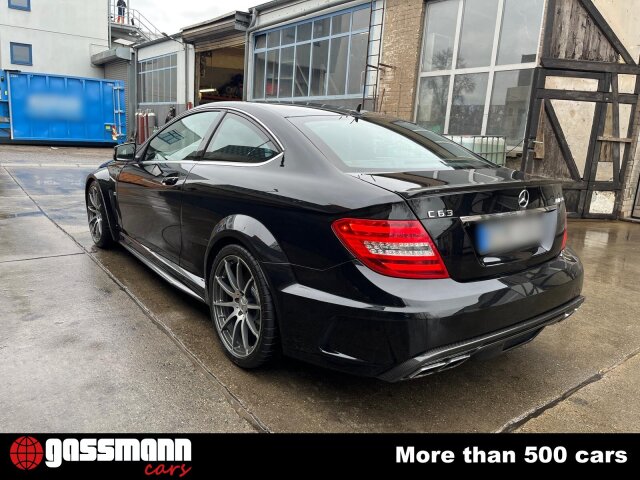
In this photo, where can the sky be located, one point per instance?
(170, 16)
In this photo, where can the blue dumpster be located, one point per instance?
(43, 108)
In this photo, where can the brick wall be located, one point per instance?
(402, 38)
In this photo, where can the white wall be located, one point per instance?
(186, 80)
(64, 34)
(300, 9)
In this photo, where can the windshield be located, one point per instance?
(371, 144)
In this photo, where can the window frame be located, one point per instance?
(350, 33)
(12, 57)
(257, 124)
(19, 7)
(154, 72)
(142, 156)
(452, 72)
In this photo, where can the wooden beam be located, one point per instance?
(533, 116)
(601, 121)
(583, 96)
(589, 66)
(562, 141)
(632, 132)
(582, 201)
(575, 74)
(615, 139)
(596, 131)
(602, 186)
(597, 17)
(615, 120)
(570, 185)
(547, 38)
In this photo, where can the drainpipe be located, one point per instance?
(109, 24)
(133, 95)
(186, 75)
(247, 50)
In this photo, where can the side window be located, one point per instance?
(180, 141)
(239, 140)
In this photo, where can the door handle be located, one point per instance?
(170, 180)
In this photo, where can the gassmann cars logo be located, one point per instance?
(26, 453)
(164, 456)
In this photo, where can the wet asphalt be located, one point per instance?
(91, 340)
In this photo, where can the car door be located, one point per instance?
(224, 182)
(149, 189)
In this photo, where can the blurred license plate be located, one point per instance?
(507, 235)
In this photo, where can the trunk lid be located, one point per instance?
(472, 215)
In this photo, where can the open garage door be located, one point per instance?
(219, 45)
(221, 74)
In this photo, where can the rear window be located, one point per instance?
(371, 144)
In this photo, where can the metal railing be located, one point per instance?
(133, 18)
(491, 147)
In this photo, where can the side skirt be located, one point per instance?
(173, 280)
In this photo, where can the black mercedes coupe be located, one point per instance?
(344, 238)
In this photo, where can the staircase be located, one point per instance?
(133, 26)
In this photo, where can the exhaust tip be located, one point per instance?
(445, 364)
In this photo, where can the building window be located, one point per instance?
(21, 54)
(477, 66)
(158, 80)
(324, 57)
(20, 4)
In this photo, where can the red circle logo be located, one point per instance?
(26, 453)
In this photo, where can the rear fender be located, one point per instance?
(254, 236)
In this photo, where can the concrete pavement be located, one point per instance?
(524, 389)
(608, 404)
(76, 351)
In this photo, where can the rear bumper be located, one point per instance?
(450, 356)
(352, 319)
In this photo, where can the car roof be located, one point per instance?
(281, 109)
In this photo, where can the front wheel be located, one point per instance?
(97, 216)
(242, 308)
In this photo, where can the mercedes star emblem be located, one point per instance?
(523, 199)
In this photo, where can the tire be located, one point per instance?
(242, 307)
(97, 217)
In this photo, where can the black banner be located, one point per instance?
(205, 455)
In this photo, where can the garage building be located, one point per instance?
(219, 57)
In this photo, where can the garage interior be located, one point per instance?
(219, 45)
(221, 74)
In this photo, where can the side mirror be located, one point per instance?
(125, 152)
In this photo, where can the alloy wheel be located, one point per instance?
(94, 212)
(236, 306)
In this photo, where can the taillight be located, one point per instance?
(564, 235)
(397, 248)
